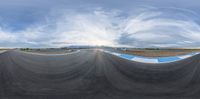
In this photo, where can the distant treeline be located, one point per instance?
(25, 49)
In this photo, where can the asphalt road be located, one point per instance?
(93, 74)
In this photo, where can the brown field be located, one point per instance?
(5, 49)
(160, 53)
(47, 51)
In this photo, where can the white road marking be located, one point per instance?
(150, 60)
(117, 54)
(145, 60)
(184, 56)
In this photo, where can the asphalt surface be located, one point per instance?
(93, 74)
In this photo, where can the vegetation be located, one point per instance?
(149, 52)
(25, 49)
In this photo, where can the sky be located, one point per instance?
(117, 23)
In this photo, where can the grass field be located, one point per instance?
(159, 53)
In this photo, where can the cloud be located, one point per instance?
(162, 28)
(6, 36)
(94, 28)
(89, 28)
(154, 27)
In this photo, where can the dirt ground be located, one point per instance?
(50, 51)
(161, 53)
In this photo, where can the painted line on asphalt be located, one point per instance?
(146, 60)
(152, 59)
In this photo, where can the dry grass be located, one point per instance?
(161, 53)
(48, 51)
(5, 49)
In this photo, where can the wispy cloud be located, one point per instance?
(166, 27)
(162, 28)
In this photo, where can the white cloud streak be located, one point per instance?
(155, 28)
(158, 29)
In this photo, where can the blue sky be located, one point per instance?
(131, 23)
